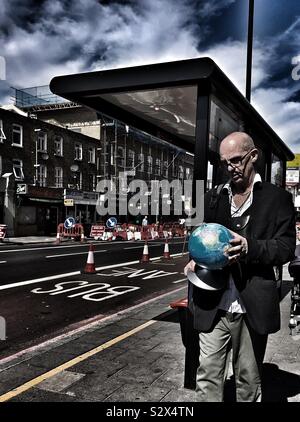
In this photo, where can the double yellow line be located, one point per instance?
(24, 387)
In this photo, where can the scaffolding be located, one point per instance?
(39, 98)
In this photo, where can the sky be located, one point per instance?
(43, 39)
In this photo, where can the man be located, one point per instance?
(145, 221)
(243, 313)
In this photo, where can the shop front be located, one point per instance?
(82, 206)
(38, 210)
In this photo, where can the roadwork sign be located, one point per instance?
(69, 223)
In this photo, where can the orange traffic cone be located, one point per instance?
(90, 264)
(166, 250)
(145, 257)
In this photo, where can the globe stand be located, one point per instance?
(208, 279)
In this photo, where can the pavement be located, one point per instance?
(24, 240)
(135, 356)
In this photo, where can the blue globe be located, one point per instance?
(207, 245)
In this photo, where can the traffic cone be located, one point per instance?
(90, 264)
(166, 250)
(145, 257)
(57, 241)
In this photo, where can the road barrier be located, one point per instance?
(97, 231)
(75, 232)
(3, 230)
(137, 232)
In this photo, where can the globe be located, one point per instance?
(208, 244)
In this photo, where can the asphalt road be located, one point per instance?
(43, 293)
(35, 261)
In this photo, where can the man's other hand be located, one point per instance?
(189, 267)
(238, 249)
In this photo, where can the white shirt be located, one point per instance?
(231, 300)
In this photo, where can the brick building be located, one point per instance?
(40, 164)
(122, 148)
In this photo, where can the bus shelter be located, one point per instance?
(190, 103)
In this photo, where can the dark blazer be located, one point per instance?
(271, 236)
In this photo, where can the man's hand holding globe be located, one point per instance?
(214, 247)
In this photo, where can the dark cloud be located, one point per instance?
(42, 39)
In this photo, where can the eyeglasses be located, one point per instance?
(235, 161)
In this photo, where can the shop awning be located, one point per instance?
(51, 201)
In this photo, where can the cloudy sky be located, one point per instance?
(43, 39)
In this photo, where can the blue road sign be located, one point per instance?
(111, 222)
(69, 223)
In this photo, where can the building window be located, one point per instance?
(131, 159)
(92, 155)
(41, 176)
(2, 134)
(58, 146)
(150, 164)
(78, 151)
(92, 182)
(188, 174)
(120, 156)
(157, 167)
(58, 177)
(175, 170)
(17, 135)
(165, 169)
(42, 142)
(77, 180)
(141, 162)
(180, 172)
(18, 169)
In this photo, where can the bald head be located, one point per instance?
(238, 141)
(238, 154)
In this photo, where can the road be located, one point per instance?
(43, 293)
(35, 261)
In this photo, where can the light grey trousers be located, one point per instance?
(248, 349)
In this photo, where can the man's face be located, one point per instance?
(236, 161)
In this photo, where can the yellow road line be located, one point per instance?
(24, 387)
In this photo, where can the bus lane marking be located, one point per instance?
(99, 291)
(64, 275)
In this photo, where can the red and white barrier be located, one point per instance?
(97, 231)
(3, 230)
(75, 232)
